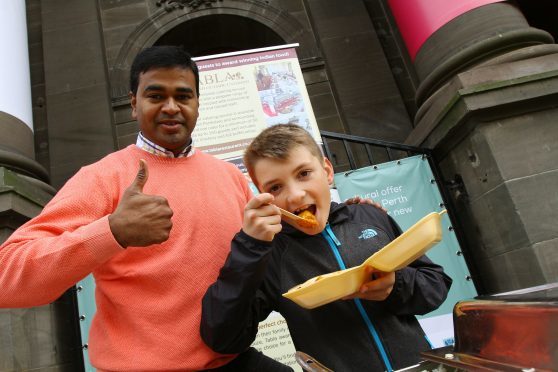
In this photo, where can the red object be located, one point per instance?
(514, 333)
(285, 104)
(268, 110)
(418, 19)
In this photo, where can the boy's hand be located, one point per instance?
(377, 289)
(262, 220)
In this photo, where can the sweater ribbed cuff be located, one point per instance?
(99, 241)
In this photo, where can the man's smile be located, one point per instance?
(170, 125)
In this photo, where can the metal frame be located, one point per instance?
(443, 186)
(368, 143)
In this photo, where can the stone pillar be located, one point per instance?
(34, 338)
(16, 116)
(488, 106)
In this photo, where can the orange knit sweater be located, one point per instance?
(148, 299)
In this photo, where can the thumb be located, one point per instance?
(141, 177)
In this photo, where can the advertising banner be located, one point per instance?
(243, 93)
(406, 188)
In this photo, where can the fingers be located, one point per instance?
(141, 177)
(358, 200)
(259, 200)
(353, 200)
(262, 220)
(377, 289)
(260, 207)
(139, 219)
(378, 205)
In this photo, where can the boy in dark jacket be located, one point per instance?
(373, 330)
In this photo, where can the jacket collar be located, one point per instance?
(338, 213)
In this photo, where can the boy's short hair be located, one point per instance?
(162, 56)
(276, 142)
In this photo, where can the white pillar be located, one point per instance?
(15, 80)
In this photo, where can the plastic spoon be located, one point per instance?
(297, 219)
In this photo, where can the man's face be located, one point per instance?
(166, 106)
(299, 182)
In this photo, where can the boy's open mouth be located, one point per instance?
(310, 208)
(307, 215)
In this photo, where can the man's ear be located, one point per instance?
(133, 104)
(329, 170)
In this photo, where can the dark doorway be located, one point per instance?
(542, 14)
(220, 33)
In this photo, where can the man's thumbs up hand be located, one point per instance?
(141, 178)
(139, 219)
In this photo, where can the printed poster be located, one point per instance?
(243, 93)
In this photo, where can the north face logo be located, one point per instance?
(367, 234)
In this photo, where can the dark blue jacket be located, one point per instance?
(256, 274)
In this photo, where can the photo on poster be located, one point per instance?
(279, 91)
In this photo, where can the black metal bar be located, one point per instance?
(389, 153)
(327, 150)
(373, 142)
(369, 153)
(77, 344)
(350, 155)
(458, 228)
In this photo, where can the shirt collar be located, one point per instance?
(143, 143)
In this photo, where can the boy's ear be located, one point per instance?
(329, 170)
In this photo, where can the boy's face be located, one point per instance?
(299, 182)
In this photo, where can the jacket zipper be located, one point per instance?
(334, 243)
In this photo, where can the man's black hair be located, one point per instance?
(161, 56)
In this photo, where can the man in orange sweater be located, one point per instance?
(153, 223)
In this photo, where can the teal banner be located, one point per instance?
(87, 309)
(406, 188)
